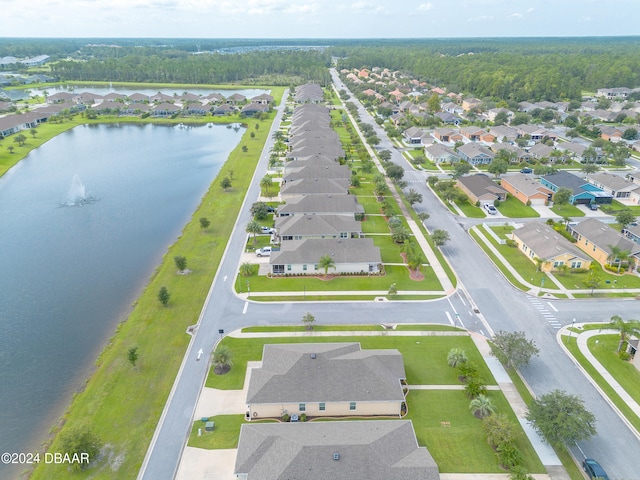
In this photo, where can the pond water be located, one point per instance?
(84, 220)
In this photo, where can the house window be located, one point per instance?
(586, 242)
(288, 268)
(321, 406)
(352, 406)
(278, 269)
(315, 266)
(344, 235)
(594, 248)
(302, 407)
(576, 264)
(304, 267)
(557, 264)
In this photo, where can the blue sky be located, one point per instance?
(317, 18)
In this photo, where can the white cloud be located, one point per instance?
(480, 18)
(516, 16)
(425, 7)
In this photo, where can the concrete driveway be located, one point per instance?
(197, 463)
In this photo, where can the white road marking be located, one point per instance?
(450, 319)
(246, 305)
(552, 307)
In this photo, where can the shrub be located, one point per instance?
(625, 356)
(467, 370)
(286, 417)
(512, 243)
(303, 417)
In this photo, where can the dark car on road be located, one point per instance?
(594, 470)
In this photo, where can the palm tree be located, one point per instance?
(221, 359)
(265, 184)
(326, 262)
(455, 357)
(254, 228)
(401, 235)
(618, 256)
(625, 329)
(481, 406)
(246, 269)
(539, 263)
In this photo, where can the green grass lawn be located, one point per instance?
(469, 210)
(576, 280)
(462, 447)
(350, 328)
(111, 402)
(616, 207)
(624, 372)
(416, 352)
(514, 208)
(567, 211)
(225, 434)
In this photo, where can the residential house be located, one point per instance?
(471, 103)
(139, 98)
(526, 189)
(250, 109)
(632, 233)
(301, 257)
(536, 132)
(538, 241)
(439, 153)
(540, 150)
(197, 109)
(475, 154)
(504, 133)
(582, 192)
(516, 154)
(326, 379)
(447, 135)
(481, 189)
(476, 134)
(224, 109)
(315, 186)
(322, 205)
(165, 110)
(310, 171)
(620, 188)
(610, 133)
(263, 98)
(299, 227)
(614, 93)
(398, 119)
(215, 98)
(451, 107)
(449, 118)
(597, 238)
(416, 136)
(493, 113)
(577, 151)
(347, 450)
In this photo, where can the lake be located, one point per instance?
(70, 269)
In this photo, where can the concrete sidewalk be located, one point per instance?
(581, 341)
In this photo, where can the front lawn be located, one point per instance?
(608, 280)
(567, 211)
(470, 210)
(514, 208)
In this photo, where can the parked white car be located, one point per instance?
(263, 252)
(491, 210)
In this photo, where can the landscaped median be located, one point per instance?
(121, 404)
(436, 403)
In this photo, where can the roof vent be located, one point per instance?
(313, 356)
(336, 456)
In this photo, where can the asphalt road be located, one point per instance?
(501, 307)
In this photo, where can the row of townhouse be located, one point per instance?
(319, 216)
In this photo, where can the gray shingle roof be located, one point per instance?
(546, 243)
(315, 186)
(316, 225)
(340, 372)
(371, 450)
(603, 236)
(309, 251)
(321, 205)
(525, 184)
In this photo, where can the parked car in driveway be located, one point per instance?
(263, 252)
(491, 210)
(268, 230)
(593, 206)
(594, 470)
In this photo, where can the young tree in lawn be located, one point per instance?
(618, 256)
(395, 172)
(593, 281)
(393, 289)
(562, 196)
(181, 262)
(226, 183)
(440, 237)
(561, 418)
(246, 269)
(413, 196)
(626, 329)
(456, 357)
(589, 168)
(204, 223)
(259, 210)
(265, 184)
(422, 216)
(325, 263)
(513, 349)
(460, 168)
(253, 228)
(164, 296)
(499, 430)
(221, 359)
(132, 356)
(625, 217)
(308, 320)
(498, 166)
(432, 180)
(481, 406)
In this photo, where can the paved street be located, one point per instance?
(501, 306)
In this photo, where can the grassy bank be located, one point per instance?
(122, 404)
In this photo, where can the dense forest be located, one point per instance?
(512, 69)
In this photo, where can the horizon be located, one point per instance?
(331, 19)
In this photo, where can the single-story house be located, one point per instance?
(299, 227)
(447, 135)
(517, 154)
(597, 238)
(326, 379)
(417, 136)
(315, 186)
(348, 450)
(540, 241)
(620, 188)
(251, 109)
(165, 110)
(475, 154)
(322, 205)
(223, 109)
(526, 189)
(632, 232)
(582, 192)
(493, 113)
(302, 257)
(448, 117)
(471, 103)
(439, 153)
(476, 134)
(535, 132)
(236, 99)
(263, 98)
(504, 133)
(480, 188)
(578, 151)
